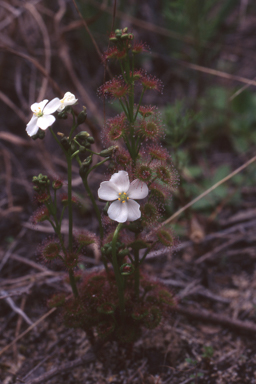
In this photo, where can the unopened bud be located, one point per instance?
(118, 32)
(63, 114)
(39, 135)
(109, 151)
(124, 252)
(65, 143)
(82, 116)
(90, 140)
(125, 36)
(82, 135)
(85, 166)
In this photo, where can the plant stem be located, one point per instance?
(118, 276)
(70, 213)
(96, 209)
(136, 274)
(73, 283)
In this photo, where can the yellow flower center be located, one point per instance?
(123, 197)
(39, 112)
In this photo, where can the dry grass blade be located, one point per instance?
(14, 107)
(14, 139)
(205, 193)
(36, 64)
(143, 24)
(215, 72)
(27, 330)
(47, 47)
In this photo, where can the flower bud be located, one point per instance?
(82, 137)
(63, 114)
(109, 151)
(85, 166)
(124, 36)
(124, 252)
(118, 32)
(82, 134)
(82, 116)
(39, 135)
(65, 143)
(90, 140)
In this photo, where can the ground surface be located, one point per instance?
(210, 336)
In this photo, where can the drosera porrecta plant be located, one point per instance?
(113, 304)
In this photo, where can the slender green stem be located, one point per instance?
(56, 139)
(146, 253)
(74, 126)
(98, 164)
(124, 109)
(136, 274)
(70, 213)
(122, 70)
(73, 283)
(141, 97)
(118, 276)
(96, 209)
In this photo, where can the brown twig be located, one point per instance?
(14, 107)
(47, 47)
(8, 173)
(13, 245)
(204, 315)
(205, 193)
(89, 357)
(209, 254)
(18, 326)
(36, 64)
(27, 330)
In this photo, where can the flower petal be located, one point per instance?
(134, 212)
(108, 191)
(121, 180)
(45, 121)
(138, 190)
(52, 106)
(118, 211)
(34, 107)
(32, 126)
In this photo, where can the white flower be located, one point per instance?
(120, 189)
(42, 117)
(68, 99)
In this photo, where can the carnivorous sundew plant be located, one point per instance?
(115, 303)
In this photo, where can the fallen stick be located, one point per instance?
(204, 315)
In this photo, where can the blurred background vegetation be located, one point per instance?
(210, 117)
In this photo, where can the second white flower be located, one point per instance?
(119, 190)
